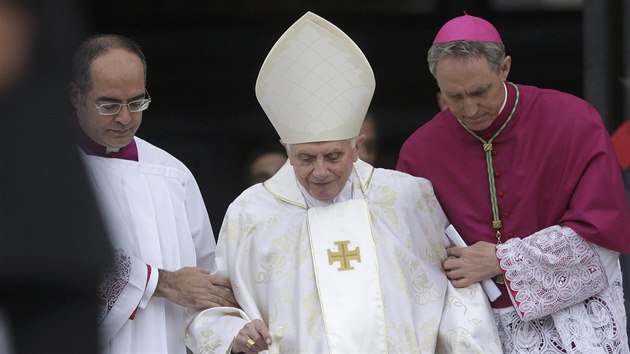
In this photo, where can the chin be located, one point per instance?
(324, 197)
(123, 141)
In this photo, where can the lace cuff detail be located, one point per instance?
(113, 282)
(550, 270)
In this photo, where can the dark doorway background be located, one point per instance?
(204, 57)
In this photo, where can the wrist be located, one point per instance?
(164, 283)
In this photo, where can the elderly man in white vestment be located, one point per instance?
(151, 203)
(331, 255)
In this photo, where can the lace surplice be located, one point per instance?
(568, 294)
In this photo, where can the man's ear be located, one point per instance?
(360, 140)
(74, 94)
(505, 67)
(357, 147)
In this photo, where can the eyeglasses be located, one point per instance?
(109, 109)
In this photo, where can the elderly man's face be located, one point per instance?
(117, 77)
(323, 167)
(472, 90)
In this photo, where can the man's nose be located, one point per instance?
(470, 107)
(321, 169)
(124, 116)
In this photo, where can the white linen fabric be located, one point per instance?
(567, 294)
(156, 217)
(264, 248)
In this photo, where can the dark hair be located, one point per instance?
(93, 48)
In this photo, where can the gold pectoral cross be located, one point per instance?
(344, 256)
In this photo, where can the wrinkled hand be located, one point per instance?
(468, 265)
(195, 288)
(257, 331)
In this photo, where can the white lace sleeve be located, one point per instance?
(550, 270)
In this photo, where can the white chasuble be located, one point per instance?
(347, 276)
(275, 243)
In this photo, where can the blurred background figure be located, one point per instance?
(16, 38)
(264, 163)
(53, 243)
(368, 149)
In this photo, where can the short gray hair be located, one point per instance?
(94, 47)
(493, 52)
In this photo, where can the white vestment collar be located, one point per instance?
(285, 186)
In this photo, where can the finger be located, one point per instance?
(451, 263)
(449, 274)
(222, 296)
(264, 333)
(250, 339)
(454, 251)
(253, 342)
(251, 345)
(204, 271)
(461, 282)
(455, 273)
(231, 299)
(221, 281)
(240, 342)
(257, 344)
(217, 301)
(212, 304)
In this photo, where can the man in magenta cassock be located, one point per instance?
(529, 178)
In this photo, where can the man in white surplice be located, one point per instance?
(331, 255)
(151, 203)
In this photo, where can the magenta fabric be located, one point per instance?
(90, 147)
(554, 164)
(467, 28)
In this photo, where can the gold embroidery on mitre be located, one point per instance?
(344, 255)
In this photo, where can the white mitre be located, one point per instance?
(315, 84)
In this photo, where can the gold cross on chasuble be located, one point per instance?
(344, 256)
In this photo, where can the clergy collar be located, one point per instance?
(90, 147)
(506, 108)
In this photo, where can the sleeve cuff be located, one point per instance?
(152, 280)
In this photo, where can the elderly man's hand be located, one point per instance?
(195, 288)
(254, 337)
